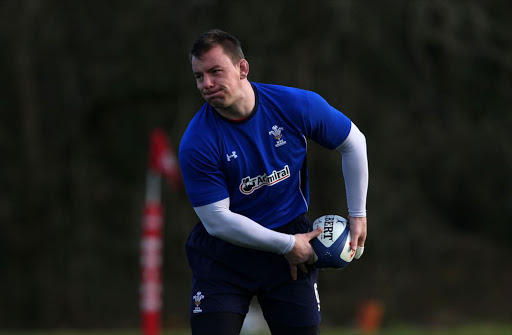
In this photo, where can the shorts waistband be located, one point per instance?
(298, 225)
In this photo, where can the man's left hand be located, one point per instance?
(357, 234)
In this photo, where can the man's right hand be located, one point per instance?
(302, 252)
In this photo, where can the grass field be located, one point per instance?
(466, 330)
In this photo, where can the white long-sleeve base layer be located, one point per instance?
(221, 222)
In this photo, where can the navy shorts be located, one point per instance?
(225, 277)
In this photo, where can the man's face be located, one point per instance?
(217, 78)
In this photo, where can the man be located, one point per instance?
(243, 159)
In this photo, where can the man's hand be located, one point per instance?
(357, 234)
(302, 252)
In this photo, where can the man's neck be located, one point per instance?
(241, 109)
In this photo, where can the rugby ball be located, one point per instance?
(332, 246)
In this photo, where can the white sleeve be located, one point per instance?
(355, 171)
(220, 222)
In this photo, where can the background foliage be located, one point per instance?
(83, 82)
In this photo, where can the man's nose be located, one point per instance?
(207, 82)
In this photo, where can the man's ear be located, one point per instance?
(244, 69)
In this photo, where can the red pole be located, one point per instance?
(162, 162)
(151, 259)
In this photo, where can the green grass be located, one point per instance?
(465, 330)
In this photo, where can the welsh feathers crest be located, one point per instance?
(277, 132)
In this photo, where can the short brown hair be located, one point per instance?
(211, 38)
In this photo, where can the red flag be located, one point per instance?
(162, 158)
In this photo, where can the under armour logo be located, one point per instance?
(233, 155)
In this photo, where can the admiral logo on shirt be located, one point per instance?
(250, 184)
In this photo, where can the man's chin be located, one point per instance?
(217, 102)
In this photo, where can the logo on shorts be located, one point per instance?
(197, 301)
(250, 184)
(277, 132)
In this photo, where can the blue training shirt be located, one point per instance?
(259, 163)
